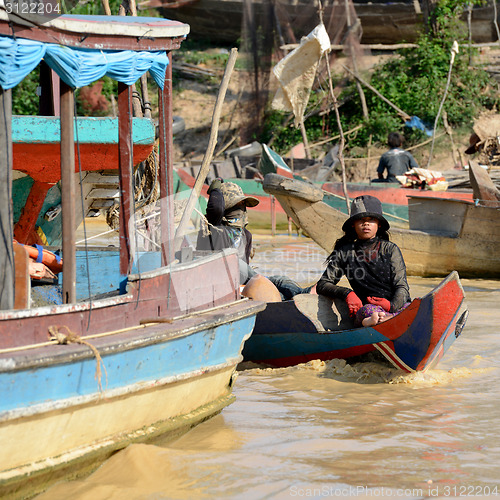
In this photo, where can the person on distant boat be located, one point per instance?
(227, 220)
(373, 265)
(396, 161)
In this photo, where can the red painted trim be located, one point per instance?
(94, 157)
(91, 41)
(396, 326)
(396, 196)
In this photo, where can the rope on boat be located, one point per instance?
(57, 336)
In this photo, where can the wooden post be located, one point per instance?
(166, 174)
(273, 216)
(68, 193)
(50, 90)
(125, 170)
(7, 273)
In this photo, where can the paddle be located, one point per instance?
(202, 174)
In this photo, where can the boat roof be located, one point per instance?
(96, 32)
(82, 49)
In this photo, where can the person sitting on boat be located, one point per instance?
(396, 161)
(227, 228)
(373, 265)
(227, 223)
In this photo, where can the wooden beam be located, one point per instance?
(125, 171)
(25, 226)
(166, 174)
(68, 193)
(7, 274)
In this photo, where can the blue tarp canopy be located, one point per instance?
(77, 67)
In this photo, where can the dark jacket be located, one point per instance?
(374, 268)
(396, 161)
(221, 235)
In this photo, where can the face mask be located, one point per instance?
(236, 218)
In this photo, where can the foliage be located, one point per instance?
(24, 95)
(415, 82)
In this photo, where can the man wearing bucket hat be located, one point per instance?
(372, 264)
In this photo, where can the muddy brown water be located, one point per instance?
(331, 429)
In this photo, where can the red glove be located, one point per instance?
(378, 301)
(354, 303)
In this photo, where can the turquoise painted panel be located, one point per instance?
(103, 270)
(296, 343)
(389, 209)
(177, 356)
(91, 130)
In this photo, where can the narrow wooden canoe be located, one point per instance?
(313, 327)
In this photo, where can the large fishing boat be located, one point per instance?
(140, 342)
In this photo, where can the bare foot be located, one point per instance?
(376, 318)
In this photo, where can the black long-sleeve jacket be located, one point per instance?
(374, 268)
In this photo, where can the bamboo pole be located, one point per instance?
(205, 165)
(454, 52)
(342, 139)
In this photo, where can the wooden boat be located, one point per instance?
(394, 197)
(136, 346)
(382, 22)
(444, 234)
(245, 172)
(313, 327)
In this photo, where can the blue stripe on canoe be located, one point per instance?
(177, 356)
(91, 130)
(283, 345)
(412, 346)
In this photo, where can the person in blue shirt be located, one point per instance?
(396, 161)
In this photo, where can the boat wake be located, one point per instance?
(375, 373)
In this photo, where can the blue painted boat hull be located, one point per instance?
(157, 380)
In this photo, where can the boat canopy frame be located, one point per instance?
(79, 60)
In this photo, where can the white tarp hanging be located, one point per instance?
(296, 72)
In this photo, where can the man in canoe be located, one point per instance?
(226, 227)
(396, 161)
(372, 264)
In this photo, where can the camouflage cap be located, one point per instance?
(233, 194)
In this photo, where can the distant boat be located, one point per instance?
(313, 327)
(382, 22)
(139, 342)
(444, 235)
(248, 171)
